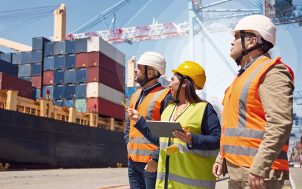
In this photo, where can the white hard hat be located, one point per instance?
(153, 59)
(262, 25)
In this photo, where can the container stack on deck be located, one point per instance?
(86, 73)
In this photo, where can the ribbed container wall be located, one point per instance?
(8, 68)
(105, 107)
(13, 83)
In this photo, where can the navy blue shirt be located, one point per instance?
(210, 129)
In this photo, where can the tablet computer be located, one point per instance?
(163, 128)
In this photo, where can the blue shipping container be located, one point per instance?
(70, 61)
(8, 68)
(68, 102)
(80, 105)
(6, 57)
(59, 77)
(63, 47)
(69, 91)
(81, 45)
(24, 70)
(58, 92)
(59, 102)
(70, 76)
(81, 75)
(37, 42)
(36, 69)
(59, 62)
(36, 56)
(80, 91)
(48, 88)
(48, 49)
(48, 63)
(26, 57)
(16, 59)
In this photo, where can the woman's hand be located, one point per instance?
(184, 135)
(133, 114)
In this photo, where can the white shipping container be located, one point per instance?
(95, 43)
(99, 90)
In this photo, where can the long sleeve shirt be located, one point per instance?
(275, 92)
(208, 140)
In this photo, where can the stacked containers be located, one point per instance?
(86, 73)
(105, 67)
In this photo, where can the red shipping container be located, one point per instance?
(97, 74)
(48, 78)
(81, 60)
(101, 60)
(9, 82)
(104, 107)
(36, 82)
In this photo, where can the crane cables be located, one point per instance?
(23, 17)
(104, 15)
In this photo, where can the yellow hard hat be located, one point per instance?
(192, 70)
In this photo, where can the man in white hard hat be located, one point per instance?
(257, 112)
(149, 100)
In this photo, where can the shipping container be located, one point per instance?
(70, 61)
(10, 82)
(36, 69)
(38, 94)
(59, 62)
(26, 57)
(101, 60)
(48, 63)
(80, 90)
(48, 78)
(99, 90)
(80, 105)
(6, 57)
(48, 49)
(69, 91)
(8, 68)
(58, 91)
(70, 76)
(81, 60)
(16, 58)
(81, 75)
(81, 45)
(24, 70)
(37, 42)
(97, 74)
(59, 102)
(59, 77)
(48, 92)
(105, 107)
(129, 91)
(36, 82)
(98, 44)
(68, 102)
(37, 56)
(27, 78)
(63, 47)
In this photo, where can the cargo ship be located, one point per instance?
(60, 105)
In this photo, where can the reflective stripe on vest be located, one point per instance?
(184, 148)
(187, 181)
(139, 148)
(244, 120)
(190, 169)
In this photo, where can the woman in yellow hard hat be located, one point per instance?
(186, 160)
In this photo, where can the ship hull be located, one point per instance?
(28, 141)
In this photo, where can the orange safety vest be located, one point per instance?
(139, 148)
(243, 122)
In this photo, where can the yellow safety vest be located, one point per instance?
(189, 169)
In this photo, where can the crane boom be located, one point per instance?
(14, 45)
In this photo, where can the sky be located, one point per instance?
(176, 50)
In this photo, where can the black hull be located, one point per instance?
(28, 141)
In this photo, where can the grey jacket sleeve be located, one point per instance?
(276, 94)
